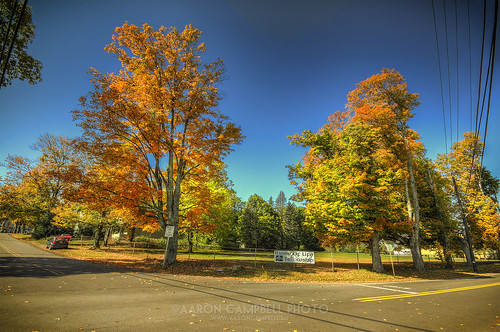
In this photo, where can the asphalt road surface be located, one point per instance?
(41, 291)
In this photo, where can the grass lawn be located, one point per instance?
(261, 266)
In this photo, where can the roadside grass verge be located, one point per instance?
(260, 266)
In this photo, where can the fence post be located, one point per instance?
(357, 254)
(133, 248)
(392, 263)
(333, 268)
(255, 258)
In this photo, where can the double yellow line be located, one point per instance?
(9, 251)
(441, 291)
(34, 264)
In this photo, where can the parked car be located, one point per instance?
(66, 236)
(57, 242)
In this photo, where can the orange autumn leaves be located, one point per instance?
(365, 172)
(351, 175)
(154, 127)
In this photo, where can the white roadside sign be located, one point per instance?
(169, 231)
(287, 256)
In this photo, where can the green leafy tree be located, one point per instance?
(75, 215)
(20, 64)
(279, 207)
(347, 182)
(297, 235)
(438, 224)
(490, 185)
(225, 214)
(259, 224)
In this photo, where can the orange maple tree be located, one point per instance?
(360, 165)
(155, 124)
(388, 95)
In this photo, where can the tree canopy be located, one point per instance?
(155, 126)
(20, 65)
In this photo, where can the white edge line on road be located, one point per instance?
(389, 289)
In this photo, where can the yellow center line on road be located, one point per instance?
(34, 264)
(440, 291)
(9, 251)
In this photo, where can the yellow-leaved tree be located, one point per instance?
(478, 209)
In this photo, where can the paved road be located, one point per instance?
(41, 291)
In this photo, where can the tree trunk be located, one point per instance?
(97, 236)
(173, 199)
(190, 241)
(376, 258)
(107, 235)
(466, 228)
(171, 249)
(446, 251)
(444, 225)
(414, 216)
(131, 234)
(465, 248)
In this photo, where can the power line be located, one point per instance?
(492, 62)
(449, 76)
(458, 74)
(487, 90)
(470, 65)
(481, 69)
(440, 77)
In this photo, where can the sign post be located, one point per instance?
(169, 232)
(390, 247)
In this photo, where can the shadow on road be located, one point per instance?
(44, 267)
(356, 322)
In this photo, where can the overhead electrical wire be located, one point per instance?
(458, 72)
(492, 70)
(448, 72)
(477, 120)
(440, 77)
(486, 94)
(479, 115)
(470, 65)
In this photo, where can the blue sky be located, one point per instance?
(289, 64)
